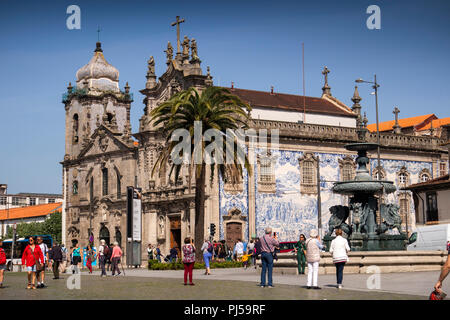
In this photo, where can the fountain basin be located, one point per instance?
(370, 187)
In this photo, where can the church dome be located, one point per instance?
(98, 73)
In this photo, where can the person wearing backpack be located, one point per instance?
(102, 251)
(2, 262)
(207, 249)
(108, 255)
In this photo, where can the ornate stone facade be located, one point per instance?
(101, 160)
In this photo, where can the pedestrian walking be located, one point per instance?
(158, 253)
(115, 258)
(207, 249)
(257, 251)
(150, 252)
(56, 258)
(76, 258)
(222, 250)
(103, 249)
(63, 264)
(444, 272)
(239, 250)
(313, 247)
(300, 250)
(268, 245)
(40, 274)
(339, 248)
(33, 259)
(2, 263)
(188, 259)
(108, 256)
(250, 251)
(90, 257)
(173, 254)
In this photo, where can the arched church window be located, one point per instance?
(104, 235)
(118, 237)
(119, 191)
(266, 177)
(104, 181)
(233, 186)
(75, 128)
(379, 175)
(308, 174)
(424, 175)
(348, 169)
(403, 177)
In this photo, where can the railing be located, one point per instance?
(82, 92)
(347, 134)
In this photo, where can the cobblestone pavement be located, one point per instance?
(239, 285)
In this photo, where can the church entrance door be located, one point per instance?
(104, 234)
(234, 232)
(175, 233)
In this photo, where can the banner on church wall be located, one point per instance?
(134, 217)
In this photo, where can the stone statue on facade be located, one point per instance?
(161, 225)
(339, 215)
(169, 52)
(151, 66)
(391, 217)
(194, 53)
(185, 45)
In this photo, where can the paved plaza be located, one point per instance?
(222, 284)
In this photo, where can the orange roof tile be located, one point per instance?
(30, 211)
(436, 124)
(404, 123)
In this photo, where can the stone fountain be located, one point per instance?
(363, 232)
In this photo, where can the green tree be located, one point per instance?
(216, 108)
(52, 226)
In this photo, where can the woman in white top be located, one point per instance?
(339, 248)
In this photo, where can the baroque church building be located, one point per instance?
(288, 185)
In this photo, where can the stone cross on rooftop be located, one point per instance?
(326, 88)
(177, 23)
(396, 112)
(396, 127)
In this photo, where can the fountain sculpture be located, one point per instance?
(363, 233)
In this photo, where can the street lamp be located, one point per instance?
(375, 86)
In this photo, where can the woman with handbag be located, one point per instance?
(33, 259)
(76, 258)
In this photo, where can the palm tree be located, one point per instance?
(214, 108)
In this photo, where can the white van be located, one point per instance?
(434, 237)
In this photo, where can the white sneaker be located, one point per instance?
(339, 286)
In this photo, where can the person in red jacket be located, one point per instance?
(2, 263)
(31, 254)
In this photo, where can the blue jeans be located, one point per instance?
(267, 264)
(339, 272)
(206, 257)
(102, 261)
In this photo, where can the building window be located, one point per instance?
(233, 182)
(432, 208)
(32, 201)
(266, 177)
(404, 202)
(51, 200)
(403, 177)
(19, 201)
(75, 187)
(442, 169)
(75, 128)
(424, 175)
(119, 192)
(91, 189)
(3, 200)
(347, 168)
(105, 181)
(381, 174)
(308, 174)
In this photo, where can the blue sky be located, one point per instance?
(256, 44)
